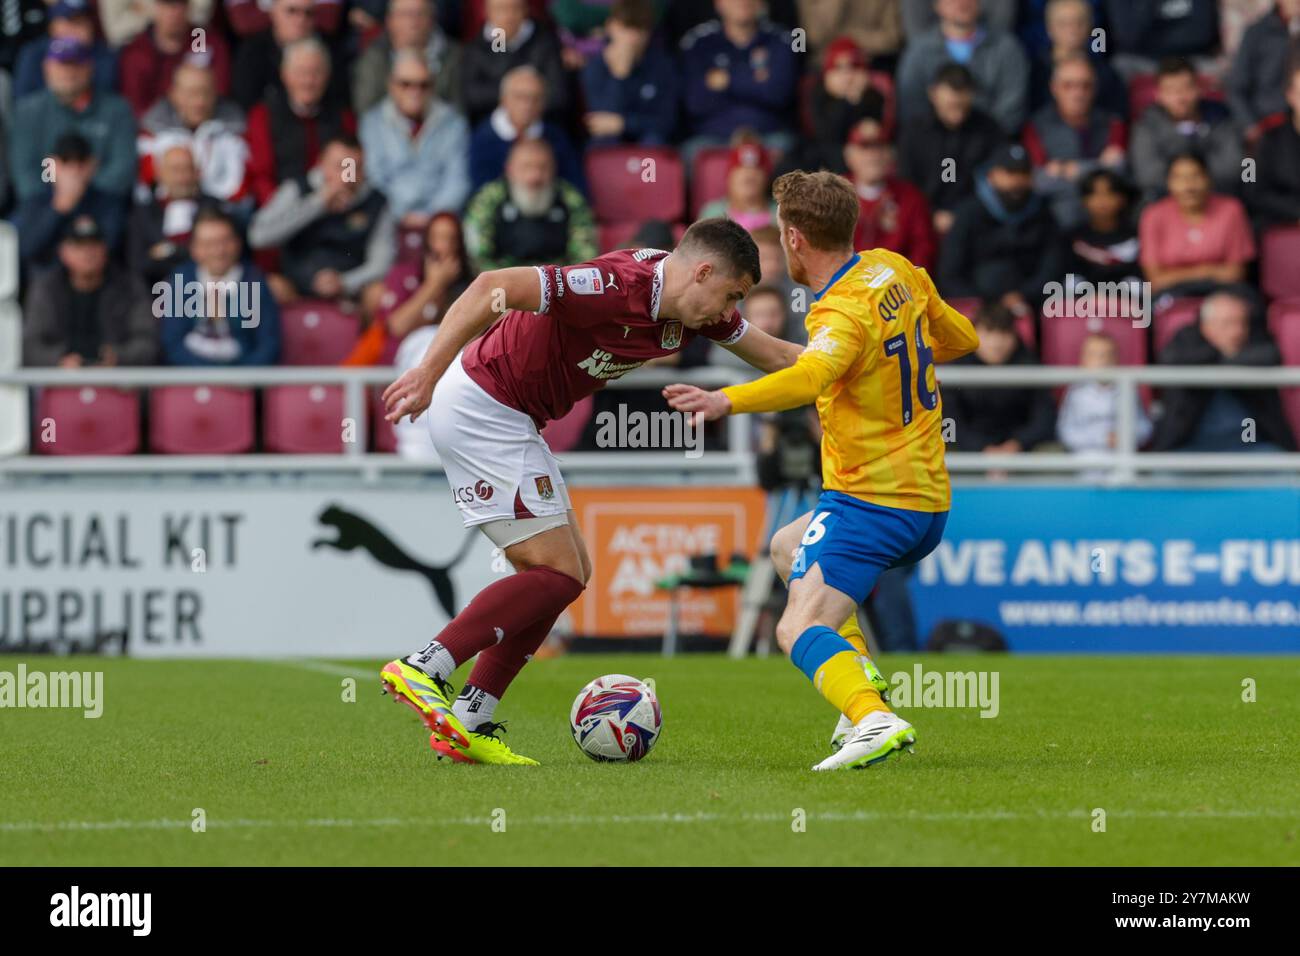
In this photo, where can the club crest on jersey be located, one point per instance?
(672, 335)
(585, 281)
(545, 490)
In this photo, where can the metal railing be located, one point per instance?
(734, 464)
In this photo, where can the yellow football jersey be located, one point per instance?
(874, 335)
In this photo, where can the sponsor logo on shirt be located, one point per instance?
(601, 365)
(585, 281)
(877, 276)
(821, 342)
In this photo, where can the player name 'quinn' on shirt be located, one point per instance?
(597, 321)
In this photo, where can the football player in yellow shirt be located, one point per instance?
(875, 332)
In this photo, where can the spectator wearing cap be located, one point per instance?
(1194, 240)
(999, 421)
(739, 73)
(158, 234)
(749, 189)
(520, 115)
(257, 67)
(147, 63)
(530, 216)
(842, 99)
(82, 313)
(1068, 31)
(408, 25)
(1071, 136)
(1004, 245)
(874, 26)
(42, 218)
(952, 135)
(67, 20)
(630, 85)
(334, 228)
(70, 104)
(288, 128)
(993, 56)
(234, 320)
(417, 145)
(510, 38)
(1275, 198)
(1211, 419)
(1144, 32)
(1180, 120)
(1256, 83)
(192, 113)
(894, 214)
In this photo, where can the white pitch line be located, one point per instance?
(324, 667)
(858, 816)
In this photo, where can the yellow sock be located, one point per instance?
(843, 682)
(852, 633)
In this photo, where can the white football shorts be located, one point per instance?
(497, 462)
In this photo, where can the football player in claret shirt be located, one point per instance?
(875, 332)
(565, 332)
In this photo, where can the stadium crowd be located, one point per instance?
(342, 168)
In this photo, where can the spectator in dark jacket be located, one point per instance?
(70, 104)
(257, 60)
(1104, 247)
(217, 309)
(1069, 25)
(630, 86)
(1257, 80)
(27, 23)
(335, 230)
(993, 56)
(1144, 32)
(739, 72)
(1070, 137)
(510, 38)
(842, 99)
(67, 20)
(894, 214)
(42, 219)
(941, 149)
(1180, 120)
(1275, 198)
(1222, 419)
(147, 63)
(1004, 245)
(288, 128)
(158, 236)
(520, 116)
(408, 25)
(999, 420)
(83, 313)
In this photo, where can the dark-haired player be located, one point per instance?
(565, 332)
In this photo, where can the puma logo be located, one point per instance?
(354, 532)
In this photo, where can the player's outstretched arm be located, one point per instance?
(489, 296)
(765, 352)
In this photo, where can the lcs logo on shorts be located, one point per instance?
(672, 335)
(585, 281)
(480, 491)
(545, 490)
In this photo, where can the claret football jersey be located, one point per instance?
(597, 321)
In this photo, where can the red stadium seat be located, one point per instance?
(1063, 337)
(316, 333)
(616, 235)
(709, 177)
(1172, 316)
(410, 244)
(303, 419)
(87, 421)
(622, 189)
(384, 437)
(1279, 263)
(201, 420)
(564, 433)
(1284, 323)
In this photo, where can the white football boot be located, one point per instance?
(871, 740)
(845, 726)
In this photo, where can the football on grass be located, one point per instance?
(616, 718)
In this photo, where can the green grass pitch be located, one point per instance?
(287, 772)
